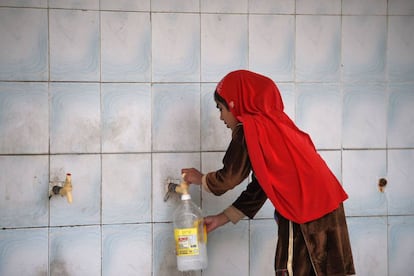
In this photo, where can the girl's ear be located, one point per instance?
(231, 104)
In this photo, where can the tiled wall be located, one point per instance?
(119, 93)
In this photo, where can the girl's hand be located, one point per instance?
(191, 175)
(213, 222)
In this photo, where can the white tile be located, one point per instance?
(364, 48)
(74, 45)
(126, 117)
(212, 161)
(24, 191)
(24, 118)
(334, 161)
(287, 90)
(368, 237)
(75, 4)
(364, 116)
(361, 172)
(224, 45)
(168, 166)
(400, 48)
(263, 240)
(175, 6)
(86, 190)
(271, 6)
(25, 3)
(214, 133)
(23, 48)
(367, 7)
(318, 46)
(164, 259)
(399, 188)
(75, 118)
(401, 245)
(400, 115)
(228, 250)
(400, 7)
(127, 249)
(267, 55)
(229, 6)
(176, 117)
(24, 252)
(319, 113)
(126, 46)
(318, 6)
(126, 188)
(176, 48)
(126, 5)
(75, 251)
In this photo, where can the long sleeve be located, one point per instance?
(251, 200)
(236, 166)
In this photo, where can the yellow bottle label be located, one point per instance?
(186, 241)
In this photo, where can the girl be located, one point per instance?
(312, 232)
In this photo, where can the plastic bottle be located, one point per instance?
(190, 236)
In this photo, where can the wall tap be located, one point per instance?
(65, 190)
(175, 188)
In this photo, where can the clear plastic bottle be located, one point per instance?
(190, 236)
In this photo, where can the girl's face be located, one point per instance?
(226, 116)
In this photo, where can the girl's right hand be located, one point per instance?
(191, 175)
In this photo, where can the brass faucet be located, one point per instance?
(65, 190)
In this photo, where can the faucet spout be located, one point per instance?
(66, 189)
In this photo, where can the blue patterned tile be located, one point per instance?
(364, 116)
(318, 112)
(228, 250)
(24, 252)
(272, 7)
(266, 54)
(127, 249)
(75, 251)
(176, 117)
(399, 187)
(74, 45)
(126, 46)
(223, 49)
(24, 191)
(401, 245)
(175, 6)
(168, 166)
(23, 48)
(400, 48)
(86, 182)
(75, 118)
(400, 115)
(176, 49)
(126, 117)
(364, 48)
(367, 7)
(318, 48)
(126, 186)
(24, 118)
(318, 6)
(75, 4)
(214, 133)
(362, 170)
(126, 5)
(368, 237)
(263, 240)
(229, 6)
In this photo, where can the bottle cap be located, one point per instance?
(185, 196)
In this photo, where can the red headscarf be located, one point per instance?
(285, 162)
